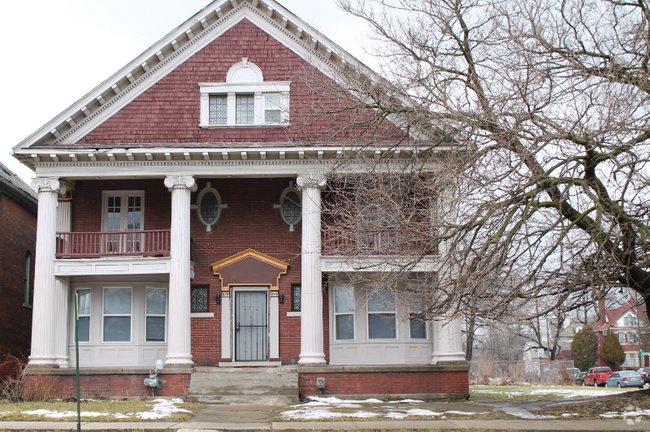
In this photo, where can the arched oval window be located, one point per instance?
(208, 206)
(290, 206)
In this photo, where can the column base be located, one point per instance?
(179, 359)
(63, 363)
(313, 358)
(448, 357)
(49, 362)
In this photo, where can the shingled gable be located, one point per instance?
(76, 135)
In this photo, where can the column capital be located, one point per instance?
(48, 184)
(180, 182)
(311, 181)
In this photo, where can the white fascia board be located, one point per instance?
(264, 87)
(161, 169)
(178, 57)
(346, 264)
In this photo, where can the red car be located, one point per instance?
(596, 376)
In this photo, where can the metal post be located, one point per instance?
(76, 348)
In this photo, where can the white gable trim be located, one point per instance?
(162, 58)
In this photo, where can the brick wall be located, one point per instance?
(386, 383)
(169, 112)
(17, 235)
(107, 386)
(250, 221)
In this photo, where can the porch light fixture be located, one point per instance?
(218, 299)
(281, 298)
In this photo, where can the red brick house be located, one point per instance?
(180, 199)
(625, 323)
(17, 241)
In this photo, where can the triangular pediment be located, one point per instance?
(250, 267)
(173, 50)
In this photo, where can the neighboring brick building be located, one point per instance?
(17, 240)
(189, 221)
(629, 329)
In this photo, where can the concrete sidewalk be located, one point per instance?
(192, 426)
(258, 418)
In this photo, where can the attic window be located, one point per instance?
(245, 99)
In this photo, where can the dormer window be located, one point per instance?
(245, 99)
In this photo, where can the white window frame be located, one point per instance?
(104, 315)
(146, 315)
(124, 196)
(370, 291)
(258, 89)
(621, 335)
(351, 314)
(88, 315)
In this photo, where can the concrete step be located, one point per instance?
(243, 400)
(272, 385)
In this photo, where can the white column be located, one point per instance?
(274, 326)
(43, 311)
(62, 293)
(447, 341)
(311, 318)
(226, 324)
(179, 334)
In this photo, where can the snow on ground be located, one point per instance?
(324, 408)
(564, 393)
(162, 408)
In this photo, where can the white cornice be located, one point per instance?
(171, 51)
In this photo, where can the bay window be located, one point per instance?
(382, 315)
(155, 314)
(117, 315)
(344, 312)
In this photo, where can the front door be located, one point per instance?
(251, 333)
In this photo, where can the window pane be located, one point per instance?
(134, 213)
(344, 327)
(382, 326)
(245, 109)
(272, 116)
(272, 101)
(291, 208)
(84, 329)
(84, 302)
(117, 301)
(156, 301)
(296, 297)
(199, 299)
(209, 208)
(117, 329)
(418, 328)
(381, 301)
(344, 299)
(155, 328)
(218, 109)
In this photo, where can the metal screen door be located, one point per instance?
(251, 331)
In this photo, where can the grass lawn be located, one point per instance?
(99, 411)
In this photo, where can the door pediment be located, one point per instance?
(250, 268)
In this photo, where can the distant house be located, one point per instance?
(625, 323)
(17, 241)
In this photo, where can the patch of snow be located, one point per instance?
(569, 414)
(466, 412)
(405, 401)
(163, 408)
(323, 413)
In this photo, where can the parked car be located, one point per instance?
(596, 376)
(645, 374)
(624, 379)
(578, 378)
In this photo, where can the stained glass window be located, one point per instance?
(218, 109)
(199, 299)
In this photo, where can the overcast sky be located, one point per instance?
(58, 50)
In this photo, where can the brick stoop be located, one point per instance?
(256, 385)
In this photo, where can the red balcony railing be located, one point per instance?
(101, 244)
(378, 242)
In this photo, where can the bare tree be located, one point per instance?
(529, 125)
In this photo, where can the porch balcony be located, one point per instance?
(378, 242)
(113, 244)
